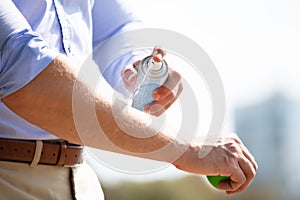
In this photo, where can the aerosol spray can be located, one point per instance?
(152, 73)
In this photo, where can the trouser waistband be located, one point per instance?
(49, 152)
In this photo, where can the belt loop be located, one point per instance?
(37, 153)
(63, 147)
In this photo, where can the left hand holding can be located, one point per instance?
(165, 95)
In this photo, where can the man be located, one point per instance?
(42, 43)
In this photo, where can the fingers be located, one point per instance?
(161, 93)
(248, 171)
(158, 54)
(250, 157)
(243, 162)
(159, 106)
(249, 167)
(245, 151)
(174, 79)
(165, 95)
(129, 75)
(164, 98)
(237, 179)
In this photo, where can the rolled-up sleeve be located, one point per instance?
(110, 18)
(23, 53)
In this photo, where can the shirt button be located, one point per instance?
(70, 51)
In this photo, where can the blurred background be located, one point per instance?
(255, 46)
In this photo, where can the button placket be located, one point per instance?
(66, 30)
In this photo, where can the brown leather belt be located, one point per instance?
(54, 152)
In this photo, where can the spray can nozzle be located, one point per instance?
(157, 57)
(156, 61)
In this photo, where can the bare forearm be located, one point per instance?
(47, 102)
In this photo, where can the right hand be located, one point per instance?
(227, 157)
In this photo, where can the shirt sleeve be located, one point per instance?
(23, 53)
(110, 18)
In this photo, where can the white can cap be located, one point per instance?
(156, 62)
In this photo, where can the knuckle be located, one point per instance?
(234, 149)
(234, 137)
(251, 174)
(232, 158)
(236, 185)
(231, 161)
(243, 179)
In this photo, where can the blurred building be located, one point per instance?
(271, 131)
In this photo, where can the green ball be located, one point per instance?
(215, 180)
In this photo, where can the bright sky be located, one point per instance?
(255, 45)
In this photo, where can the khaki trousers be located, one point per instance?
(19, 181)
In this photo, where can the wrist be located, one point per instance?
(192, 162)
(187, 157)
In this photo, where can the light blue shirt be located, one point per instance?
(33, 32)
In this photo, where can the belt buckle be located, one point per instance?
(73, 146)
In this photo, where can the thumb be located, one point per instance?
(129, 75)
